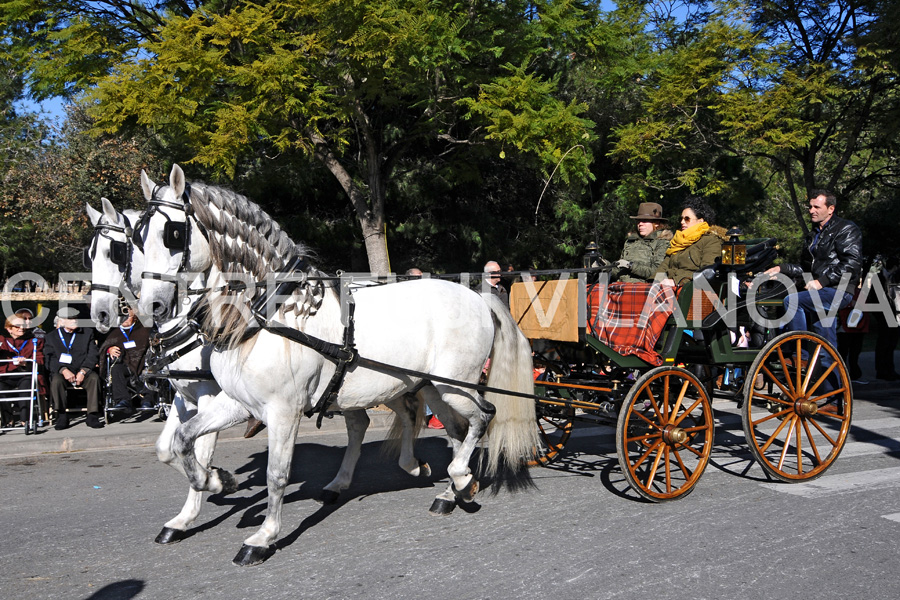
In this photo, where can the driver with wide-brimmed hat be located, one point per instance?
(645, 248)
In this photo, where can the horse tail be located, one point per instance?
(512, 435)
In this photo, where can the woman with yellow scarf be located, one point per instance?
(698, 244)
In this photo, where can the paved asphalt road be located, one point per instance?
(80, 524)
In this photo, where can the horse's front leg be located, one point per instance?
(174, 529)
(282, 435)
(357, 422)
(221, 413)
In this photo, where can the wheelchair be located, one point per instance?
(142, 398)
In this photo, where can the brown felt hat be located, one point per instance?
(649, 211)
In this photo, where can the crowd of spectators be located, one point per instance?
(69, 358)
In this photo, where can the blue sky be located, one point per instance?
(52, 109)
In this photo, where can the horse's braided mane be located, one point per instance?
(244, 240)
(242, 237)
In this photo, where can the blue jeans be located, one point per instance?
(810, 311)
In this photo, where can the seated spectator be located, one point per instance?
(17, 348)
(30, 330)
(126, 347)
(71, 356)
(645, 249)
(697, 245)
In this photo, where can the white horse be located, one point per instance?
(115, 260)
(438, 333)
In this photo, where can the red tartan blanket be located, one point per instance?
(629, 317)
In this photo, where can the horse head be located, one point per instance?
(173, 242)
(114, 262)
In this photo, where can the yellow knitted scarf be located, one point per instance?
(684, 238)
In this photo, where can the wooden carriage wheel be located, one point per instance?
(796, 413)
(554, 423)
(664, 435)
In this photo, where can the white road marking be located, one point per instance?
(893, 517)
(837, 484)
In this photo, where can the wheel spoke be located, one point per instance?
(810, 369)
(784, 369)
(649, 422)
(789, 393)
(644, 437)
(688, 412)
(668, 467)
(652, 475)
(824, 376)
(774, 436)
(771, 399)
(798, 362)
(812, 442)
(780, 413)
(682, 466)
(799, 446)
(654, 404)
(644, 456)
(787, 444)
(680, 399)
(833, 442)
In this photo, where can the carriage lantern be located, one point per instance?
(734, 252)
(592, 256)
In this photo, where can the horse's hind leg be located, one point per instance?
(222, 412)
(357, 422)
(464, 484)
(407, 409)
(282, 435)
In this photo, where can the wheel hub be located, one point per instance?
(673, 435)
(805, 408)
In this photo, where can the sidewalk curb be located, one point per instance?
(79, 438)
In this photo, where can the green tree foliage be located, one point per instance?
(363, 87)
(793, 95)
(44, 193)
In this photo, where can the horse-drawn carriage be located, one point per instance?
(288, 340)
(648, 360)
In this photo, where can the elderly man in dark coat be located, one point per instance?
(71, 355)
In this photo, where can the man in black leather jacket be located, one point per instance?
(832, 255)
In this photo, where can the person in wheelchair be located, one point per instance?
(125, 348)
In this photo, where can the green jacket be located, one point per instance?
(645, 255)
(682, 265)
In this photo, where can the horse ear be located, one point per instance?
(147, 185)
(93, 214)
(109, 212)
(176, 180)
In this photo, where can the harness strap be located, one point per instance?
(197, 375)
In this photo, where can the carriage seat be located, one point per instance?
(630, 317)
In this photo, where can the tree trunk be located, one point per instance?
(369, 210)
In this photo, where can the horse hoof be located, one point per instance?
(467, 494)
(329, 497)
(424, 469)
(442, 507)
(252, 555)
(169, 535)
(229, 483)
